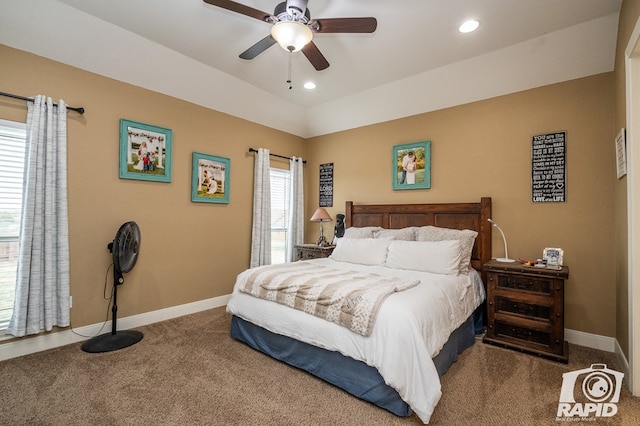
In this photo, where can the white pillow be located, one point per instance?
(365, 251)
(406, 234)
(467, 238)
(438, 257)
(361, 232)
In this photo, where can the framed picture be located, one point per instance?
(210, 179)
(553, 257)
(326, 185)
(411, 165)
(621, 154)
(145, 152)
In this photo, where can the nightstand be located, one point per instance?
(525, 308)
(312, 251)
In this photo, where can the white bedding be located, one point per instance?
(411, 328)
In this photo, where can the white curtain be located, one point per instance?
(42, 288)
(295, 233)
(261, 228)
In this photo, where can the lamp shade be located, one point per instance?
(320, 215)
(291, 36)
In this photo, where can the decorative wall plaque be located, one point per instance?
(326, 185)
(548, 168)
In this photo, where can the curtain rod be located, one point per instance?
(276, 155)
(9, 95)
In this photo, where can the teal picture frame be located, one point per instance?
(210, 179)
(145, 151)
(411, 174)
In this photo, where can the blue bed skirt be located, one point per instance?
(353, 376)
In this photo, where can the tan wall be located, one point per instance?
(190, 251)
(193, 251)
(628, 18)
(484, 149)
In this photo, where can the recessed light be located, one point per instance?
(469, 26)
(309, 85)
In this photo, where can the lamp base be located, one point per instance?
(505, 260)
(322, 241)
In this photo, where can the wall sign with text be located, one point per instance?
(548, 168)
(326, 185)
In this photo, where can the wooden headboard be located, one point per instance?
(447, 215)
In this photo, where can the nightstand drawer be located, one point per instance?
(312, 251)
(524, 283)
(522, 308)
(309, 254)
(529, 335)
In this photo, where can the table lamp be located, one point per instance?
(321, 215)
(506, 254)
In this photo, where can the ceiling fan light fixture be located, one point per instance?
(291, 36)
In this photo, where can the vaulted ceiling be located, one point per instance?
(416, 61)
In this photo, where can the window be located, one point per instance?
(280, 188)
(12, 147)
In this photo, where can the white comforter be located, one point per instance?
(411, 328)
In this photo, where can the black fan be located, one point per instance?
(124, 248)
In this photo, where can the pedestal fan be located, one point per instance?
(124, 248)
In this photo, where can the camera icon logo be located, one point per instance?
(597, 389)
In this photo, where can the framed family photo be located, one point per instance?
(411, 165)
(145, 152)
(210, 178)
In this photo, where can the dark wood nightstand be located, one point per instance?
(525, 308)
(312, 251)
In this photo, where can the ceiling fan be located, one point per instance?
(293, 28)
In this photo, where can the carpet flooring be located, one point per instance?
(189, 371)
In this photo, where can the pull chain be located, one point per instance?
(289, 80)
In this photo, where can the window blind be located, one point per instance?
(12, 149)
(280, 188)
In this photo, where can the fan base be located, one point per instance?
(112, 342)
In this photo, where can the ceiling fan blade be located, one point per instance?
(258, 48)
(316, 57)
(344, 25)
(240, 8)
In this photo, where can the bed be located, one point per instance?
(418, 331)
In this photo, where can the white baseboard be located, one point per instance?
(622, 360)
(607, 344)
(20, 347)
(589, 340)
(25, 346)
